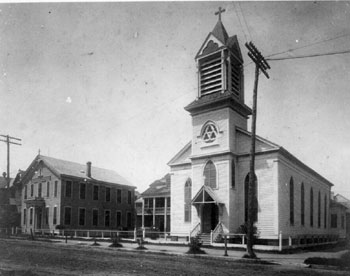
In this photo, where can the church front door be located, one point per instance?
(209, 217)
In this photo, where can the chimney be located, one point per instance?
(88, 169)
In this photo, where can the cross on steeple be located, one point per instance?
(219, 12)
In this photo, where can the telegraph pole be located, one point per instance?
(9, 141)
(260, 65)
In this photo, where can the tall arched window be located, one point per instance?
(319, 210)
(302, 204)
(210, 174)
(233, 174)
(187, 201)
(311, 207)
(291, 201)
(325, 211)
(255, 202)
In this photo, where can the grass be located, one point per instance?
(342, 262)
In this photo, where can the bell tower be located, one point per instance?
(219, 107)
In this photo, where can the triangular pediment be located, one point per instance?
(205, 196)
(210, 45)
(182, 157)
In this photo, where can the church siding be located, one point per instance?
(287, 170)
(178, 180)
(235, 120)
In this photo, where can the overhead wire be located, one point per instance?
(308, 56)
(245, 22)
(240, 23)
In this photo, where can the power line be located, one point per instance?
(240, 23)
(308, 56)
(308, 45)
(245, 22)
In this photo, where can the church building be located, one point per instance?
(210, 175)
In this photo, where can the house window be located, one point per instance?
(95, 192)
(82, 190)
(31, 216)
(291, 201)
(32, 190)
(24, 216)
(342, 222)
(55, 188)
(128, 220)
(119, 218)
(319, 210)
(255, 198)
(69, 188)
(47, 189)
(188, 198)
(67, 215)
(129, 197)
(40, 189)
(81, 216)
(334, 222)
(210, 174)
(108, 194)
(302, 205)
(25, 192)
(107, 217)
(233, 174)
(54, 220)
(119, 196)
(311, 207)
(325, 211)
(94, 217)
(47, 210)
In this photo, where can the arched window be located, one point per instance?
(246, 199)
(302, 205)
(291, 201)
(188, 197)
(311, 207)
(210, 175)
(233, 174)
(319, 210)
(325, 211)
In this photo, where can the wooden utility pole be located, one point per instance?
(260, 65)
(8, 142)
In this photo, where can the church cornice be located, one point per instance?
(217, 101)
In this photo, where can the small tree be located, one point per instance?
(195, 246)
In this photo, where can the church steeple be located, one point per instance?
(220, 71)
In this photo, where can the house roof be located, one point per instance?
(3, 182)
(159, 188)
(67, 168)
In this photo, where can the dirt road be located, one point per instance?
(31, 258)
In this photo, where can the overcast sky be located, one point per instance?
(107, 82)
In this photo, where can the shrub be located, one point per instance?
(116, 242)
(195, 246)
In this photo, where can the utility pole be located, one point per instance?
(260, 65)
(9, 141)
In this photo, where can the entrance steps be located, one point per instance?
(204, 238)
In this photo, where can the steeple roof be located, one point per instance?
(219, 32)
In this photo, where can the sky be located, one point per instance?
(108, 82)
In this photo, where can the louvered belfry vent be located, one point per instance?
(210, 70)
(235, 76)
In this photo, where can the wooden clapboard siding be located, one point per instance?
(286, 170)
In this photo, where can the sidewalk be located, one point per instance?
(296, 259)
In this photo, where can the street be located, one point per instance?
(25, 257)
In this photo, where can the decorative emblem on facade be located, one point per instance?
(209, 133)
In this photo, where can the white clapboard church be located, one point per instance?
(209, 176)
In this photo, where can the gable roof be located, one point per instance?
(205, 195)
(67, 168)
(159, 188)
(182, 157)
